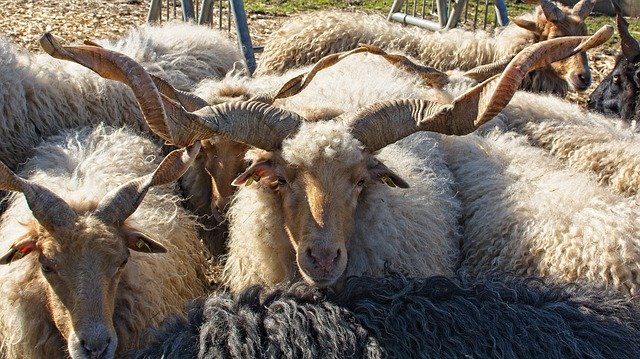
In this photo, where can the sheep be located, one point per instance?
(583, 140)
(86, 270)
(617, 94)
(401, 317)
(320, 195)
(41, 97)
(307, 38)
(525, 213)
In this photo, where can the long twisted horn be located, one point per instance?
(117, 205)
(630, 46)
(236, 121)
(432, 76)
(50, 210)
(115, 66)
(386, 122)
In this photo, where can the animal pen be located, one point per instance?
(449, 13)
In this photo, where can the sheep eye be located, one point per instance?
(616, 78)
(281, 181)
(46, 269)
(124, 263)
(360, 183)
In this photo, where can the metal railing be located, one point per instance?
(204, 12)
(446, 14)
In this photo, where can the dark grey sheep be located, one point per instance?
(433, 317)
(618, 95)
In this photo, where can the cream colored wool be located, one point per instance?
(524, 212)
(307, 38)
(41, 96)
(584, 140)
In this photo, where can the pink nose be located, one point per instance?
(324, 259)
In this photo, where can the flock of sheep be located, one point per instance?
(372, 191)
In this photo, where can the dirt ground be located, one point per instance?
(75, 20)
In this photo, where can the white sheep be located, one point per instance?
(583, 140)
(65, 289)
(526, 213)
(307, 38)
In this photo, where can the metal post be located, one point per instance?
(187, 10)
(237, 9)
(154, 11)
(206, 13)
(501, 12)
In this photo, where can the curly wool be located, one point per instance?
(526, 213)
(81, 167)
(403, 317)
(182, 53)
(307, 38)
(583, 140)
(42, 96)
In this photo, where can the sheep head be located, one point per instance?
(554, 21)
(81, 251)
(617, 94)
(318, 177)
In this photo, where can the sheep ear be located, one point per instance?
(526, 24)
(380, 171)
(253, 174)
(18, 250)
(140, 242)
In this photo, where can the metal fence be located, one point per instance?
(214, 13)
(446, 14)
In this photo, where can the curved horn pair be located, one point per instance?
(52, 212)
(386, 122)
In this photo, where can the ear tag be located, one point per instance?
(143, 246)
(17, 255)
(388, 181)
(254, 178)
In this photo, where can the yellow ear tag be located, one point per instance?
(143, 246)
(254, 178)
(388, 181)
(16, 256)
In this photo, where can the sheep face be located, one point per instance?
(223, 162)
(552, 21)
(82, 265)
(319, 177)
(617, 94)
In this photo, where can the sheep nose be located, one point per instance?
(324, 259)
(96, 346)
(584, 81)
